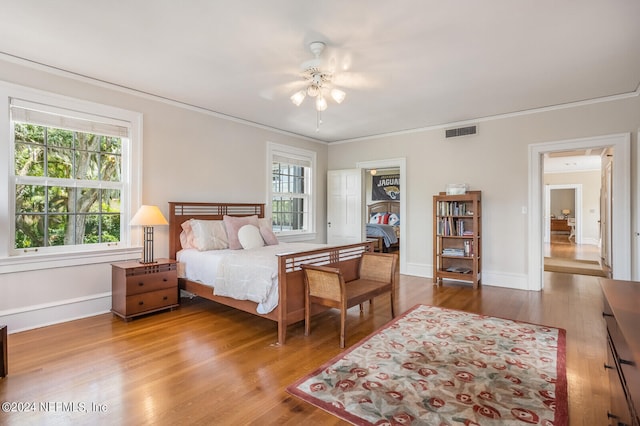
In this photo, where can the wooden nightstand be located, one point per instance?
(139, 289)
(4, 360)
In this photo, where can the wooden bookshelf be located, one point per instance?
(456, 237)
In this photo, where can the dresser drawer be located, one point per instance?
(619, 410)
(621, 310)
(143, 283)
(144, 302)
(143, 288)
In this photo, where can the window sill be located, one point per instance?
(295, 238)
(36, 262)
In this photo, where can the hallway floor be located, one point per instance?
(560, 246)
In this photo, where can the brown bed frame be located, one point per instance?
(383, 207)
(290, 307)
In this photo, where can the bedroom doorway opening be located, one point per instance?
(617, 228)
(382, 208)
(384, 194)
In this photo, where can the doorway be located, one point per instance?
(620, 192)
(398, 164)
(571, 244)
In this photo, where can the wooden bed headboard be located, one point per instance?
(180, 212)
(383, 207)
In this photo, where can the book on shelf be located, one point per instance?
(459, 252)
(448, 226)
(452, 208)
(459, 269)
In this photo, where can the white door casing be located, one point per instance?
(621, 192)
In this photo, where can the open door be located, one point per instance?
(605, 216)
(344, 206)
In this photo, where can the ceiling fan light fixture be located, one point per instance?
(313, 90)
(318, 81)
(321, 103)
(338, 95)
(298, 97)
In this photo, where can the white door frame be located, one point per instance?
(577, 187)
(636, 234)
(400, 163)
(621, 219)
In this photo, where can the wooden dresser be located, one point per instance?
(622, 315)
(560, 225)
(139, 289)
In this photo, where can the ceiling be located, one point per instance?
(411, 65)
(574, 161)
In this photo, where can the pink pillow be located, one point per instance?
(233, 223)
(186, 236)
(266, 230)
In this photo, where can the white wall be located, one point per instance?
(590, 181)
(195, 156)
(494, 161)
(562, 199)
(188, 155)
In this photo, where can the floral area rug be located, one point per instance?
(435, 366)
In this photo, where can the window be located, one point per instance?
(69, 176)
(292, 175)
(67, 182)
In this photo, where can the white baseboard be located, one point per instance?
(35, 316)
(490, 278)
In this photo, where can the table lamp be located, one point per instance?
(148, 217)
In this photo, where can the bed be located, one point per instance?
(383, 225)
(290, 285)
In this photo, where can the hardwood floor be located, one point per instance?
(560, 246)
(206, 364)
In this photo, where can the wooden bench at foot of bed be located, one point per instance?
(290, 307)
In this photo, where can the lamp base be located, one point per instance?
(147, 253)
(147, 262)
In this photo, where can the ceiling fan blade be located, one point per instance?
(355, 80)
(282, 90)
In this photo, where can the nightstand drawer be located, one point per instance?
(138, 288)
(152, 300)
(143, 283)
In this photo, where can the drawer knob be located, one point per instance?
(165, 298)
(613, 416)
(141, 303)
(608, 367)
(604, 314)
(164, 279)
(141, 283)
(626, 362)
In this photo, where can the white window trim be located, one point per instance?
(130, 242)
(286, 150)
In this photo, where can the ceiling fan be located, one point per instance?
(318, 80)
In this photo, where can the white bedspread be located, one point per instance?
(241, 274)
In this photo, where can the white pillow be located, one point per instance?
(208, 234)
(249, 237)
(233, 223)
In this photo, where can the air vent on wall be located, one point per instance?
(461, 131)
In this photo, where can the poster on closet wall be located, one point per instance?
(385, 188)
